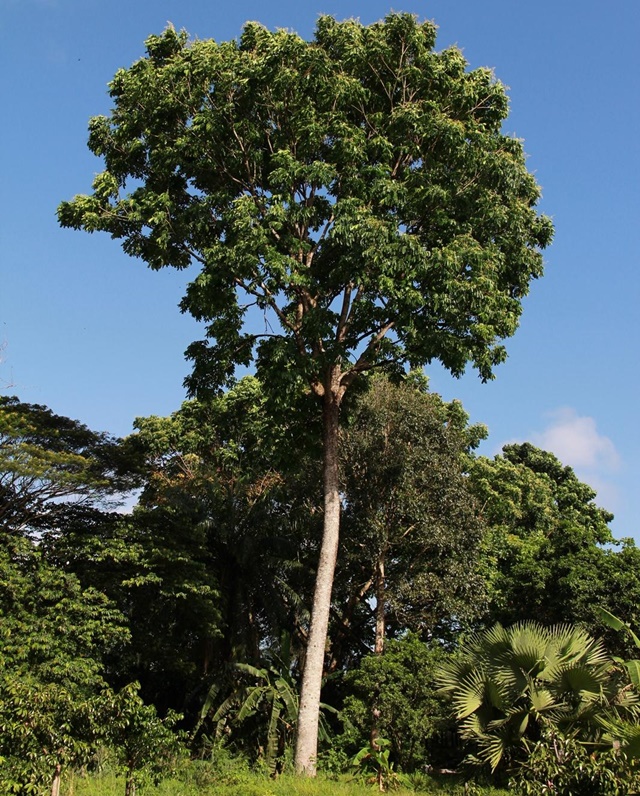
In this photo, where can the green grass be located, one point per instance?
(200, 782)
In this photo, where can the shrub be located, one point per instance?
(564, 767)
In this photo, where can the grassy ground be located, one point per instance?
(199, 783)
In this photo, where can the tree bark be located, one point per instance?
(378, 648)
(55, 784)
(130, 784)
(380, 607)
(308, 715)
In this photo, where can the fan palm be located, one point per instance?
(509, 681)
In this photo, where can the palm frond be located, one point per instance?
(259, 674)
(249, 706)
(272, 731)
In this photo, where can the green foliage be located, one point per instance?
(55, 633)
(400, 684)
(362, 165)
(200, 783)
(562, 766)
(270, 701)
(357, 190)
(217, 526)
(375, 766)
(632, 666)
(507, 683)
(145, 744)
(623, 731)
(273, 695)
(548, 550)
(51, 465)
(53, 637)
(410, 527)
(44, 727)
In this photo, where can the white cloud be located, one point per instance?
(575, 440)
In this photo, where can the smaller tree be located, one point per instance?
(145, 744)
(411, 532)
(50, 464)
(400, 685)
(53, 637)
(549, 553)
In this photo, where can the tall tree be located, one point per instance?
(357, 189)
(51, 465)
(411, 533)
(550, 554)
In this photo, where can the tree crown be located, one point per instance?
(356, 189)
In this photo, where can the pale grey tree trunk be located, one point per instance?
(55, 784)
(378, 647)
(380, 606)
(308, 716)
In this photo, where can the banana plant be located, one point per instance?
(272, 694)
(623, 731)
(612, 621)
(373, 764)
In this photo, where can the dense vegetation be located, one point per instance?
(316, 557)
(135, 641)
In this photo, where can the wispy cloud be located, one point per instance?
(576, 441)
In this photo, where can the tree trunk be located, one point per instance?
(380, 610)
(55, 784)
(130, 783)
(378, 648)
(308, 715)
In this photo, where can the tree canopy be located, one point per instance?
(549, 552)
(50, 464)
(358, 187)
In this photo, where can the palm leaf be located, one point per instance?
(272, 730)
(633, 669)
(541, 699)
(507, 679)
(470, 694)
(492, 750)
(587, 681)
(250, 704)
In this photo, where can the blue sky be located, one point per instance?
(96, 336)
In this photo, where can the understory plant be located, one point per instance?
(563, 766)
(373, 765)
(507, 685)
(268, 696)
